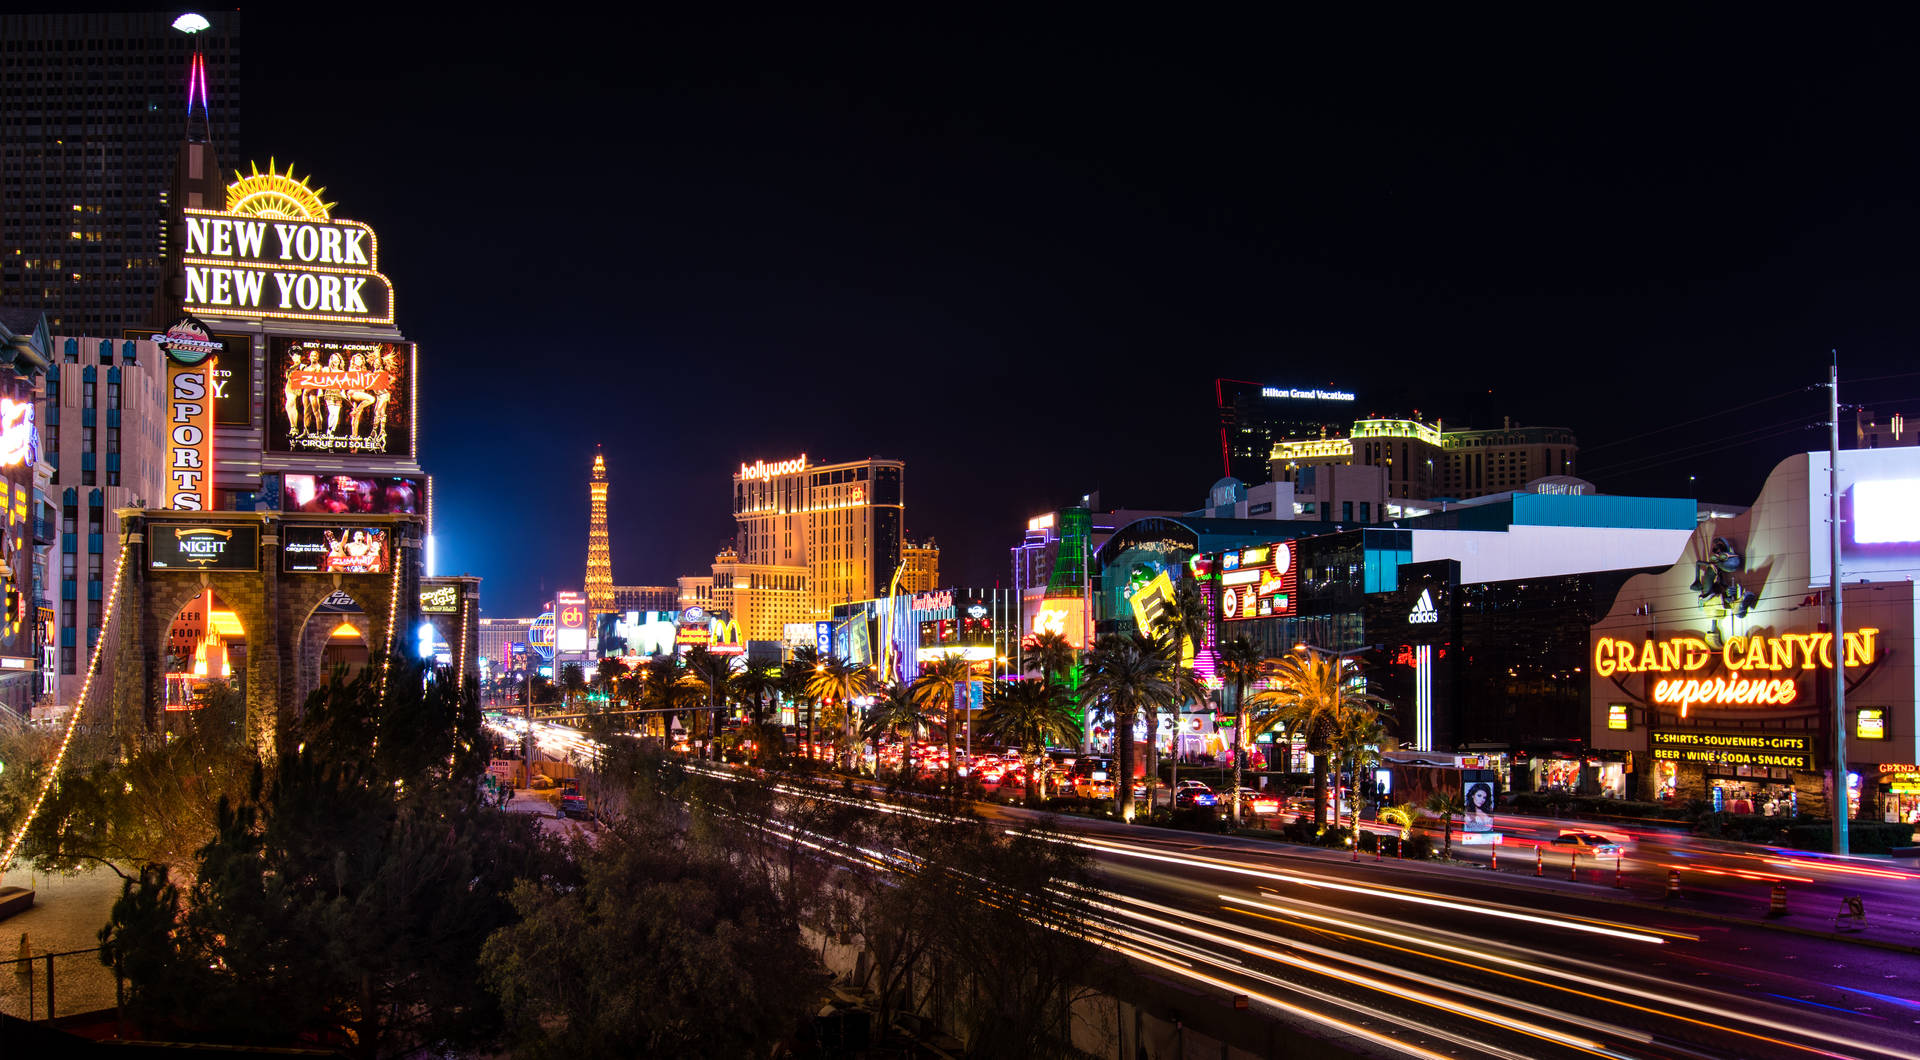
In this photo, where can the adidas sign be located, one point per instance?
(1423, 611)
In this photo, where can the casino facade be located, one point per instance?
(291, 538)
(1713, 678)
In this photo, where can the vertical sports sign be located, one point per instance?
(190, 365)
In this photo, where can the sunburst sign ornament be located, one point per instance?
(276, 194)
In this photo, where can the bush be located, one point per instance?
(1863, 837)
(1299, 830)
(1746, 827)
(1419, 848)
(1369, 842)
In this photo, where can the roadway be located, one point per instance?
(1448, 960)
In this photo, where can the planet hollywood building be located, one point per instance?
(1713, 679)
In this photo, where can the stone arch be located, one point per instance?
(306, 639)
(272, 605)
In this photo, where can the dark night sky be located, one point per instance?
(1016, 253)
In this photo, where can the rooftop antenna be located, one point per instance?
(192, 25)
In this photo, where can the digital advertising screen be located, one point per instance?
(1258, 582)
(353, 494)
(341, 398)
(318, 548)
(203, 546)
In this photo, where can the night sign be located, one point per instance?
(203, 546)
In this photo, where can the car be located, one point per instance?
(1193, 793)
(1090, 788)
(575, 805)
(1588, 843)
(1261, 803)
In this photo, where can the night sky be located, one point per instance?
(1016, 253)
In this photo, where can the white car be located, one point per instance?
(1587, 843)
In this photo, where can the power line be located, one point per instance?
(1757, 434)
(1699, 419)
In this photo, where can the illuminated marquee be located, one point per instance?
(1258, 582)
(762, 470)
(190, 435)
(295, 270)
(276, 251)
(1751, 665)
(440, 600)
(1784, 750)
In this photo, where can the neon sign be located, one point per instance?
(1306, 395)
(190, 436)
(763, 471)
(16, 433)
(1751, 664)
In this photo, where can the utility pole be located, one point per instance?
(1842, 791)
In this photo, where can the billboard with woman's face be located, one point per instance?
(1478, 795)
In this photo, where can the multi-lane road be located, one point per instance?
(1454, 960)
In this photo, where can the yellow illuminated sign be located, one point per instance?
(1742, 657)
(1871, 724)
(1617, 718)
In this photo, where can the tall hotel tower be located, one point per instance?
(599, 555)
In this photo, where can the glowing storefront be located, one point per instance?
(1713, 679)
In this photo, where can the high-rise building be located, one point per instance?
(1497, 460)
(1424, 461)
(600, 599)
(761, 598)
(841, 523)
(645, 598)
(1253, 417)
(103, 412)
(91, 105)
(696, 590)
(919, 567)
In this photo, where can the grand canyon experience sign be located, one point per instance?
(295, 269)
(1756, 671)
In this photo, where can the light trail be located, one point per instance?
(1478, 949)
(1443, 1004)
(1498, 911)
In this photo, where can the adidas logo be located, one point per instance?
(1423, 611)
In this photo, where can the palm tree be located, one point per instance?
(1182, 623)
(794, 677)
(936, 687)
(606, 673)
(1029, 715)
(895, 710)
(1050, 655)
(666, 688)
(752, 686)
(835, 680)
(1360, 743)
(573, 681)
(1446, 806)
(716, 673)
(1184, 687)
(1310, 691)
(1130, 674)
(1240, 662)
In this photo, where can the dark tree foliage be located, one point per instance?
(668, 948)
(345, 897)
